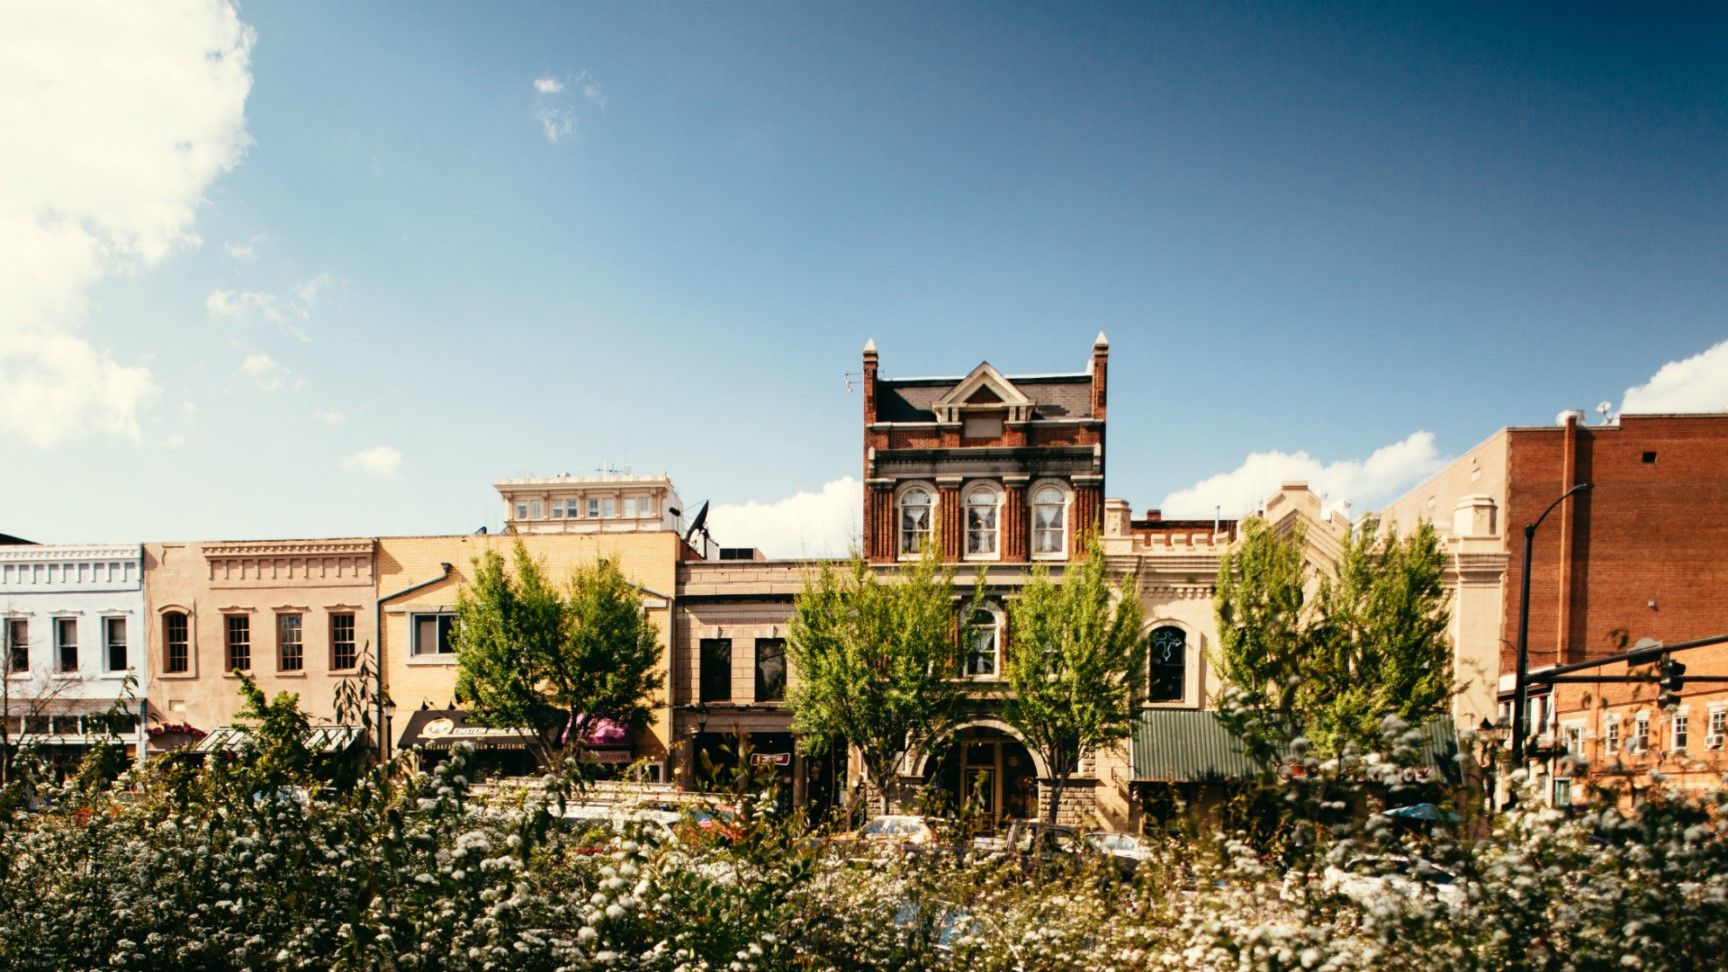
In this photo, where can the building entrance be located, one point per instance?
(985, 776)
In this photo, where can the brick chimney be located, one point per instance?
(869, 381)
(1100, 365)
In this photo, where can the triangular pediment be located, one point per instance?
(984, 387)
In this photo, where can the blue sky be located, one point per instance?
(318, 268)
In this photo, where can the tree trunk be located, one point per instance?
(1057, 782)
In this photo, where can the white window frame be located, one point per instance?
(58, 659)
(9, 620)
(1717, 726)
(1680, 730)
(1611, 735)
(107, 644)
(1032, 504)
(593, 507)
(1640, 738)
(968, 501)
(995, 631)
(1572, 737)
(932, 511)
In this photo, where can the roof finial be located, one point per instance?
(1102, 342)
(870, 346)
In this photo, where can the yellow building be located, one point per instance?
(417, 605)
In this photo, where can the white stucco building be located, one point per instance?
(73, 631)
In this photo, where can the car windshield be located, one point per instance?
(1116, 843)
(892, 827)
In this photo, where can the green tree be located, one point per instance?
(873, 663)
(554, 662)
(1074, 647)
(1370, 643)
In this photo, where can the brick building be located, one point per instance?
(1636, 556)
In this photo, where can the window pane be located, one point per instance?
(716, 665)
(18, 643)
(770, 669)
(291, 654)
(981, 645)
(66, 638)
(174, 634)
(239, 643)
(1169, 665)
(342, 653)
(117, 661)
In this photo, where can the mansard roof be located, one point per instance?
(1064, 396)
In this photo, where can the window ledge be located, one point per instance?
(435, 660)
(299, 673)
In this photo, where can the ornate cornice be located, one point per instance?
(289, 548)
(68, 553)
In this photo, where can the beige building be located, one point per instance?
(417, 604)
(606, 503)
(294, 614)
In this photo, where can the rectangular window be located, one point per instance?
(981, 647)
(593, 508)
(1611, 737)
(644, 507)
(557, 509)
(521, 509)
(716, 684)
(534, 509)
(175, 637)
(1682, 727)
(630, 507)
(1574, 738)
(432, 634)
(18, 644)
(1718, 728)
(1562, 793)
(290, 647)
(66, 643)
(237, 643)
(342, 653)
(1641, 734)
(607, 509)
(114, 638)
(770, 669)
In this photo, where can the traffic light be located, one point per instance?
(1672, 680)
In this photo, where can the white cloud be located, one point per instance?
(548, 85)
(1382, 476)
(247, 250)
(378, 460)
(556, 123)
(555, 104)
(285, 313)
(115, 117)
(331, 416)
(1697, 384)
(264, 370)
(820, 524)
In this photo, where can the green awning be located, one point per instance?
(1192, 746)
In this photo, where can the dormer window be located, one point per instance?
(1049, 522)
(982, 506)
(915, 520)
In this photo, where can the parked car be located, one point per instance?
(901, 832)
(1125, 851)
(1370, 878)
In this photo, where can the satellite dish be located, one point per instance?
(698, 525)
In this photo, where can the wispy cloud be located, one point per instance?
(247, 250)
(1382, 476)
(555, 104)
(1695, 384)
(287, 313)
(263, 369)
(819, 524)
(380, 460)
(117, 121)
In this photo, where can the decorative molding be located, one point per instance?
(288, 548)
(60, 554)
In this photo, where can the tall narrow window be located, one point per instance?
(1682, 731)
(66, 643)
(1611, 738)
(342, 653)
(237, 644)
(177, 656)
(981, 507)
(18, 644)
(1169, 665)
(915, 520)
(716, 661)
(1049, 522)
(1641, 733)
(608, 508)
(114, 641)
(983, 645)
(770, 669)
(290, 645)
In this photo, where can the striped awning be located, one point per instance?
(1192, 746)
(326, 739)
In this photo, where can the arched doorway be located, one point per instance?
(983, 774)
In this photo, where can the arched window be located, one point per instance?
(915, 520)
(1049, 522)
(1169, 665)
(982, 504)
(983, 645)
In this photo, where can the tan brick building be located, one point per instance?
(295, 614)
(419, 664)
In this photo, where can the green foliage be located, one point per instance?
(277, 739)
(553, 662)
(1371, 643)
(1073, 650)
(872, 662)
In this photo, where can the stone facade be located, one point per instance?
(73, 633)
(604, 503)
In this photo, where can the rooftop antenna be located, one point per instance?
(1602, 409)
(847, 378)
(699, 524)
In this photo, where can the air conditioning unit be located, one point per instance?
(1712, 742)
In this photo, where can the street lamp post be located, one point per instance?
(1520, 683)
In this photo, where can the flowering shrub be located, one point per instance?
(237, 866)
